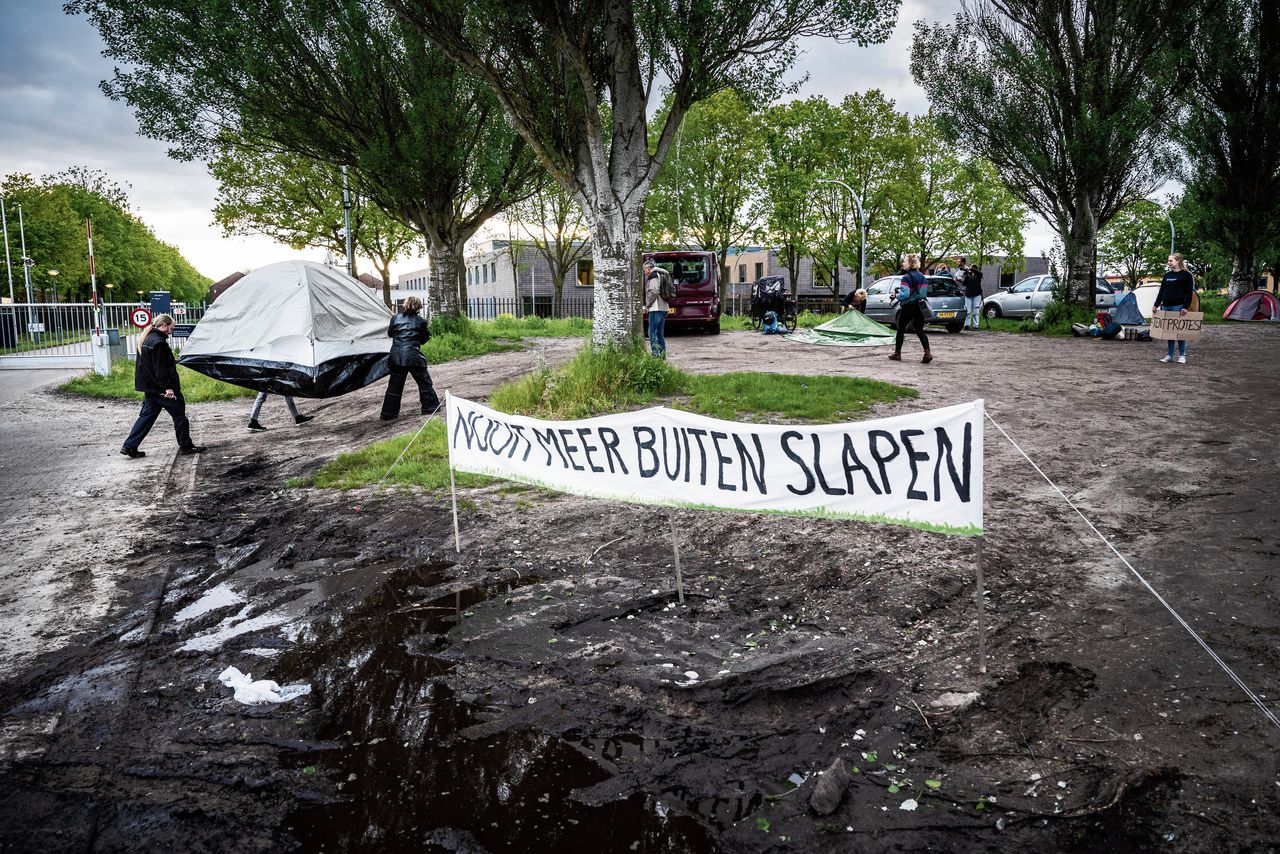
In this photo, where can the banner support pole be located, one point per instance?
(675, 548)
(982, 627)
(453, 494)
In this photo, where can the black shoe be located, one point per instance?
(133, 453)
(194, 449)
(303, 419)
(254, 425)
(385, 417)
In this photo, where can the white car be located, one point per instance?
(1030, 296)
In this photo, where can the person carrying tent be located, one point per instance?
(298, 418)
(408, 331)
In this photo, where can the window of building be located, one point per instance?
(759, 269)
(493, 272)
(484, 273)
(821, 277)
(586, 273)
(742, 272)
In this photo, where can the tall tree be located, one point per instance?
(551, 223)
(931, 212)
(799, 141)
(339, 81)
(1135, 243)
(298, 201)
(576, 78)
(1233, 175)
(1068, 99)
(707, 189)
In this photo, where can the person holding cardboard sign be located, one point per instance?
(1177, 290)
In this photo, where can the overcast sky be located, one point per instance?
(55, 116)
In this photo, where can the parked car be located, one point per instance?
(945, 299)
(696, 277)
(1030, 296)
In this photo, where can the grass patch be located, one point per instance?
(599, 381)
(454, 338)
(196, 388)
(819, 399)
(425, 465)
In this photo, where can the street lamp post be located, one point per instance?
(26, 274)
(862, 228)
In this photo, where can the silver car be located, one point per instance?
(1029, 297)
(946, 300)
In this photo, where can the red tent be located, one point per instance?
(1255, 305)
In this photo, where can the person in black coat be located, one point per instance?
(408, 332)
(156, 376)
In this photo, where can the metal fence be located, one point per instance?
(58, 335)
(487, 308)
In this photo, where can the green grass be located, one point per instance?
(599, 381)
(454, 338)
(425, 465)
(196, 388)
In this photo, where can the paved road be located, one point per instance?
(16, 382)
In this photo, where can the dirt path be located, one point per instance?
(533, 692)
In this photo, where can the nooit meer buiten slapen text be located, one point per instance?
(938, 462)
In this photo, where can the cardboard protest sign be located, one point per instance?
(922, 470)
(1176, 326)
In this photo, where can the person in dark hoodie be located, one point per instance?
(408, 332)
(156, 376)
(1176, 291)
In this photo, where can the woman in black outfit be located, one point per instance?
(1176, 290)
(408, 332)
(155, 374)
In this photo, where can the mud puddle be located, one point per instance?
(397, 766)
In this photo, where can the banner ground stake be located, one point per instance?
(675, 548)
(982, 626)
(453, 494)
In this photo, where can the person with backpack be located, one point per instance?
(659, 290)
(910, 298)
(972, 284)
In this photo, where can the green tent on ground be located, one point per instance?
(850, 329)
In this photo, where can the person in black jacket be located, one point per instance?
(156, 376)
(408, 332)
(1176, 290)
(973, 294)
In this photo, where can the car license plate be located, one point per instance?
(944, 315)
(671, 311)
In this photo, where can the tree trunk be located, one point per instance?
(1243, 273)
(1081, 245)
(447, 267)
(385, 270)
(615, 240)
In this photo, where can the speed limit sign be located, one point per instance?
(140, 317)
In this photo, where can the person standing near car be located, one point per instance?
(155, 374)
(658, 287)
(1177, 289)
(973, 294)
(911, 295)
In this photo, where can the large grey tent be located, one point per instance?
(296, 328)
(851, 329)
(1127, 311)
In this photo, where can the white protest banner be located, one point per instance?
(922, 470)
(1176, 326)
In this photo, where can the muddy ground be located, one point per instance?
(543, 690)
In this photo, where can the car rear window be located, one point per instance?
(942, 287)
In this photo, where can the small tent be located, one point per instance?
(850, 329)
(296, 328)
(1255, 305)
(1127, 311)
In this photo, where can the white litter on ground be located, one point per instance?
(221, 596)
(263, 691)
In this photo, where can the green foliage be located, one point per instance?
(126, 252)
(196, 388)
(817, 399)
(455, 337)
(425, 465)
(1135, 243)
(595, 381)
(1060, 314)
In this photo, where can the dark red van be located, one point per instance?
(697, 279)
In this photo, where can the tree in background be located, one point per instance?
(991, 218)
(798, 141)
(1068, 99)
(1135, 244)
(708, 189)
(930, 213)
(552, 224)
(576, 80)
(126, 252)
(1233, 171)
(298, 201)
(338, 81)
